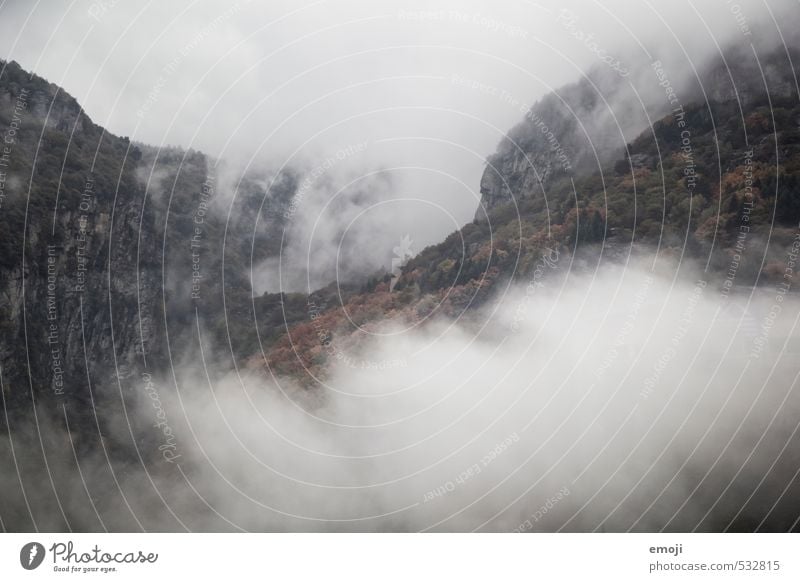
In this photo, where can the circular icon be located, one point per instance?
(31, 555)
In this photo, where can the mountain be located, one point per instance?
(112, 257)
(709, 179)
(581, 129)
(113, 223)
(120, 260)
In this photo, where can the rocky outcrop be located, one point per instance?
(112, 255)
(576, 130)
(72, 278)
(572, 131)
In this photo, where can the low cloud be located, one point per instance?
(628, 398)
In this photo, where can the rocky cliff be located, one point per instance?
(112, 255)
(579, 129)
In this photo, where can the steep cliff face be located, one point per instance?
(572, 131)
(578, 129)
(112, 255)
(71, 217)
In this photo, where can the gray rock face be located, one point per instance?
(79, 300)
(580, 128)
(108, 248)
(573, 130)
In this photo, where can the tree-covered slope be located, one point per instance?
(714, 181)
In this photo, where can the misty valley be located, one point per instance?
(398, 282)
